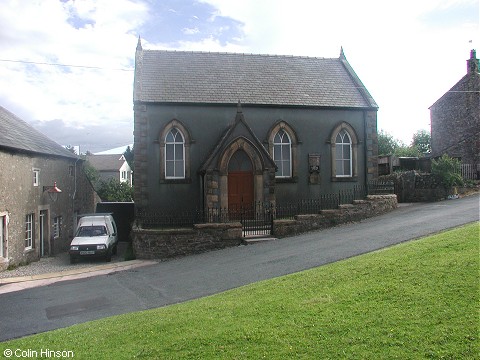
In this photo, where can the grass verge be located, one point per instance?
(417, 300)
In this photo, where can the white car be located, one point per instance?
(96, 236)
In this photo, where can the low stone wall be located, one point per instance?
(361, 209)
(3, 264)
(411, 186)
(163, 243)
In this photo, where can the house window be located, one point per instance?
(57, 224)
(36, 177)
(124, 176)
(343, 154)
(174, 155)
(29, 231)
(282, 154)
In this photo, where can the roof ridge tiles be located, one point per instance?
(240, 53)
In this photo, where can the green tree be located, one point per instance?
(407, 151)
(422, 141)
(91, 173)
(448, 170)
(114, 190)
(387, 144)
(129, 157)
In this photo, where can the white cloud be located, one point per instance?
(89, 33)
(190, 31)
(406, 62)
(407, 54)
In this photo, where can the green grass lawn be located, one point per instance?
(417, 300)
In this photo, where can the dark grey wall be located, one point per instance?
(206, 125)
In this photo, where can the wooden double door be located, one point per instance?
(240, 182)
(240, 189)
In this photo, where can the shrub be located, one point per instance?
(114, 190)
(448, 170)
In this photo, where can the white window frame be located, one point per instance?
(29, 231)
(36, 177)
(57, 223)
(174, 143)
(281, 161)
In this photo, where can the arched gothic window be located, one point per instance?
(344, 148)
(174, 155)
(343, 154)
(282, 146)
(282, 154)
(175, 141)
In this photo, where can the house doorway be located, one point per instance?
(44, 233)
(240, 182)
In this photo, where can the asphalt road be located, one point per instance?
(66, 303)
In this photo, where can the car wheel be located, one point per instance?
(114, 250)
(108, 257)
(73, 260)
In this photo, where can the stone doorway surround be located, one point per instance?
(238, 137)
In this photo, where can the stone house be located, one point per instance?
(111, 166)
(455, 118)
(35, 220)
(220, 130)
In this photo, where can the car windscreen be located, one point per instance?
(86, 231)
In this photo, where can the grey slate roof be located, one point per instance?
(226, 78)
(106, 162)
(17, 135)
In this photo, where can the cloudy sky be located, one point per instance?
(66, 67)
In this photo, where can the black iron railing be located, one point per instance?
(257, 218)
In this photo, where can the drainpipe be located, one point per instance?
(365, 149)
(74, 221)
(202, 191)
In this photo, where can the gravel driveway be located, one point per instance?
(59, 263)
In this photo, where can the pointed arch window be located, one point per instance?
(174, 154)
(343, 154)
(282, 154)
(175, 141)
(344, 148)
(282, 145)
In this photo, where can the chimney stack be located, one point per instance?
(472, 63)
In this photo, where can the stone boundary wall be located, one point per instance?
(411, 186)
(373, 205)
(168, 243)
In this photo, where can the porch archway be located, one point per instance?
(250, 152)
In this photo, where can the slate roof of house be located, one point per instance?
(17, 135)
(226, 78)
(106, 162)
(469, 82)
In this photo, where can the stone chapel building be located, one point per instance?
(218, 130)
